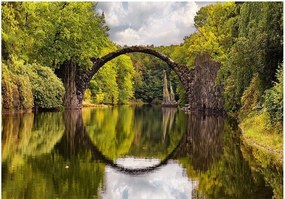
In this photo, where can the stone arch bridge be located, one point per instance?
(198, 81)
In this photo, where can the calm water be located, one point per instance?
(131, 152)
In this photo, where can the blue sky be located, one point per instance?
(146, 23)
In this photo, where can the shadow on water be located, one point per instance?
(66, 155)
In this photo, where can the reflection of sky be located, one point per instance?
(169, 181)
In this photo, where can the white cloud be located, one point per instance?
(169, 181)
(146, 23)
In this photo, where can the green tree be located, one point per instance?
(61, 35)
(104, 83)
(215, 31)
(251, 98)
(148, 83)
(258, 49)
(273, 98)
(125, 74)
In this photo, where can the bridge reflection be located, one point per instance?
(201, 142)
(53, 150)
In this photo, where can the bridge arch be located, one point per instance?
(133, 49)
(74, 93)
(199, 82)
(181, 70)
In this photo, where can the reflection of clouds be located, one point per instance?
(169, 181)
(135, 163)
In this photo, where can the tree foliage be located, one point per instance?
(251, 98)
(113, 83)
(273, 98)
(148, 77)
(258, 49)
(214, 35)
(52, 32)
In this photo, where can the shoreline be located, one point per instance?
(277, 155)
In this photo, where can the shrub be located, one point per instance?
(29, 85)
(16, 90)
(48, 90)
(25, 91)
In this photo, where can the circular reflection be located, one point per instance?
(135, 167)
(150, 132)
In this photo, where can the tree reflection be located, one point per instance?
(25, 136)
(260, 163)
(135, 131)
(158, 131)
(64, 155)
(214, 158)
(110, 133)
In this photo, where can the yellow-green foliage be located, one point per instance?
(16, 90)
(87, 95)
(251, 97)
(24, 86)
(113, 83)
(48, 90)
(258, 128)
(99, 98)
(10, 94)
(214, 36)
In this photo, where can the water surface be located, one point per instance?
(130, 152)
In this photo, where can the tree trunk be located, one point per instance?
(73, 96)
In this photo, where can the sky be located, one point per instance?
(149, 23)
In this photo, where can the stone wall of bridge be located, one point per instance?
(199, 82)
(202, 91)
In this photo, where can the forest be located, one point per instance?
(246, 38)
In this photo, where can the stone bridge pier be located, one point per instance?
(199, 82)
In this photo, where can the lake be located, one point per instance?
(131, 152)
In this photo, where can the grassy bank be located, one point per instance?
(267, 138)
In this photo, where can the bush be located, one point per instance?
(16, 90)
(29, 85)
(25, 91)
(48, 90)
